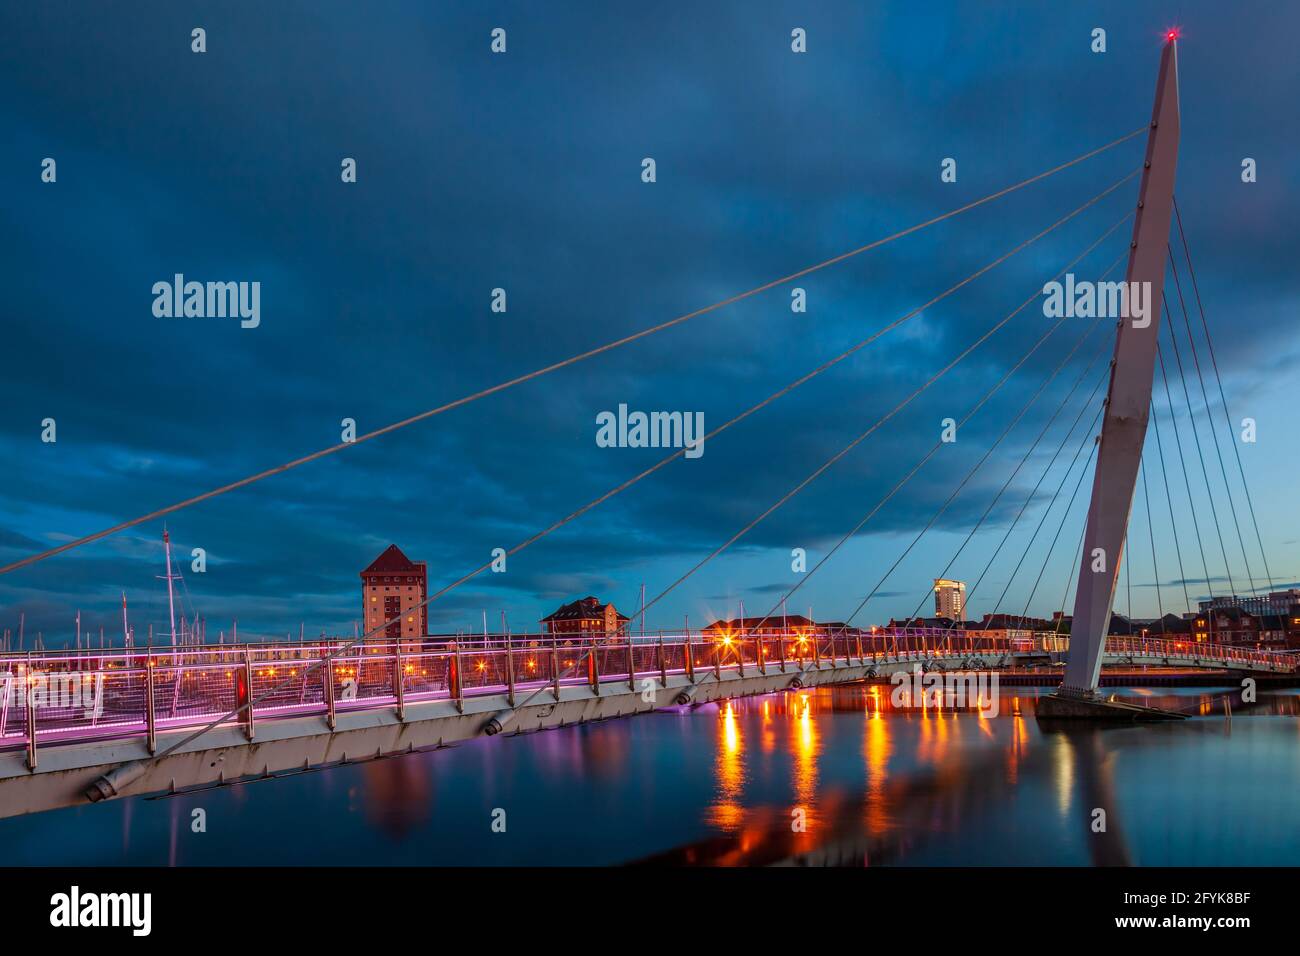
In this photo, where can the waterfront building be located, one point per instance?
(1277, 602)
(949, 599)
(587, 616)
(394, 588)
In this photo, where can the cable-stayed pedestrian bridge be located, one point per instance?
(133, 720)
(88, 726)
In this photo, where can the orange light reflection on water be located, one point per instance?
(727, 812)
(875, 752)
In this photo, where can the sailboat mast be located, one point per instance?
(171, 596)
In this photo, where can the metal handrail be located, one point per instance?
(143, 694)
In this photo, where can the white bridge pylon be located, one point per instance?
(1128, 398)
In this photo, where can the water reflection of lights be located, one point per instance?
(1019, 736)
(806, 753)
(875, 751)
(933, 741)
(731, 735)
(767, 737)
(1063, 773)
(727, 812)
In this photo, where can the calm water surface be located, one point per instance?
(718, 785)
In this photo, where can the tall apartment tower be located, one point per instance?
(390, 590)
(950, 599)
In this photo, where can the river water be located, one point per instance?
(829, 775)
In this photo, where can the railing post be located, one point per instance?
(593, 668)
(861, 659)
(399, 681)
(663, 664)
(717, 659)
(740, 656)
(31, 714)
(150, 720)
(248, 679)
(817, 652)
(555, 666)
(327, 670)
(631, 665)
(690, 658)
(781, 651)
(510, 672)
(758, 649)
(5, 696)
(454, 684)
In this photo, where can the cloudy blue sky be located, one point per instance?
(522, 171)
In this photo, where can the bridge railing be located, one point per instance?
(1175, 648)
(63, 697)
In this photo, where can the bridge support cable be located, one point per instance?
(924, 386)
(969, 474)
(1128, 578)
(1006, 484)
(830, 363)
(1151, 535)
(1169, 499)
(970, 535)
(988, 510)
(960, 485)
(1182, 461)
(1223, 399)
(880, 583)
(1200, 453)
(1209, 419)
(1078, 558)
(1056, 537)
(810, 375)
(556, 366)
(1016, 520)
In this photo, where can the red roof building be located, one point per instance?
(391, 588)
(587, 616)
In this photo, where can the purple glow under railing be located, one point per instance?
(85, 696)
